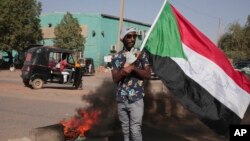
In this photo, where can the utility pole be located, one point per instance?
(218, 31)
(120, 25)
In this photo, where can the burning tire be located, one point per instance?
(37, 83)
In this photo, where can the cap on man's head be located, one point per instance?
(125, 31)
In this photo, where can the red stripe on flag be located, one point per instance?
(198, 42)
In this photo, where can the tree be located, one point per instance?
(236, 41)
(68, 34)
(19, 24)
(238, 35)
(247, 32)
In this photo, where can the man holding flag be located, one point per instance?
(129, 70)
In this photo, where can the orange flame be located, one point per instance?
(78, 125)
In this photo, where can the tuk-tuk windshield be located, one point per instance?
(70, 59)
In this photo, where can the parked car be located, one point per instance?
(88, 66)
(243, 66)
(16, 64)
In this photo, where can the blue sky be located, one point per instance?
(204, 14)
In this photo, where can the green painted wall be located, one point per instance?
(105, 28)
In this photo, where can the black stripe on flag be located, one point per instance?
(193, 96)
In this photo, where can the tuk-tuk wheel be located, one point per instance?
(37, 83)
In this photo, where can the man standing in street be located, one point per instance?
(129, 69)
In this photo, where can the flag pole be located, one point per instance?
(218, 30)
(120, 25)
(152, 26)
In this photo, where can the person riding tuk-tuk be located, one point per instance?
(50, 65)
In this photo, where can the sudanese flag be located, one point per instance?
(196, 71)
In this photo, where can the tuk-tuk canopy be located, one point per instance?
(43, 55)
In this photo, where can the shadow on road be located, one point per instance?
(156, 126)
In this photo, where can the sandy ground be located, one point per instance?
(98, 91)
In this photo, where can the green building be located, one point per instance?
(100, 30)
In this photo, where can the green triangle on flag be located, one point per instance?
(164, 38)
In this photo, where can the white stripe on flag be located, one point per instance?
(212, 78)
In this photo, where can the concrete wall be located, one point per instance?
(101, 32)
